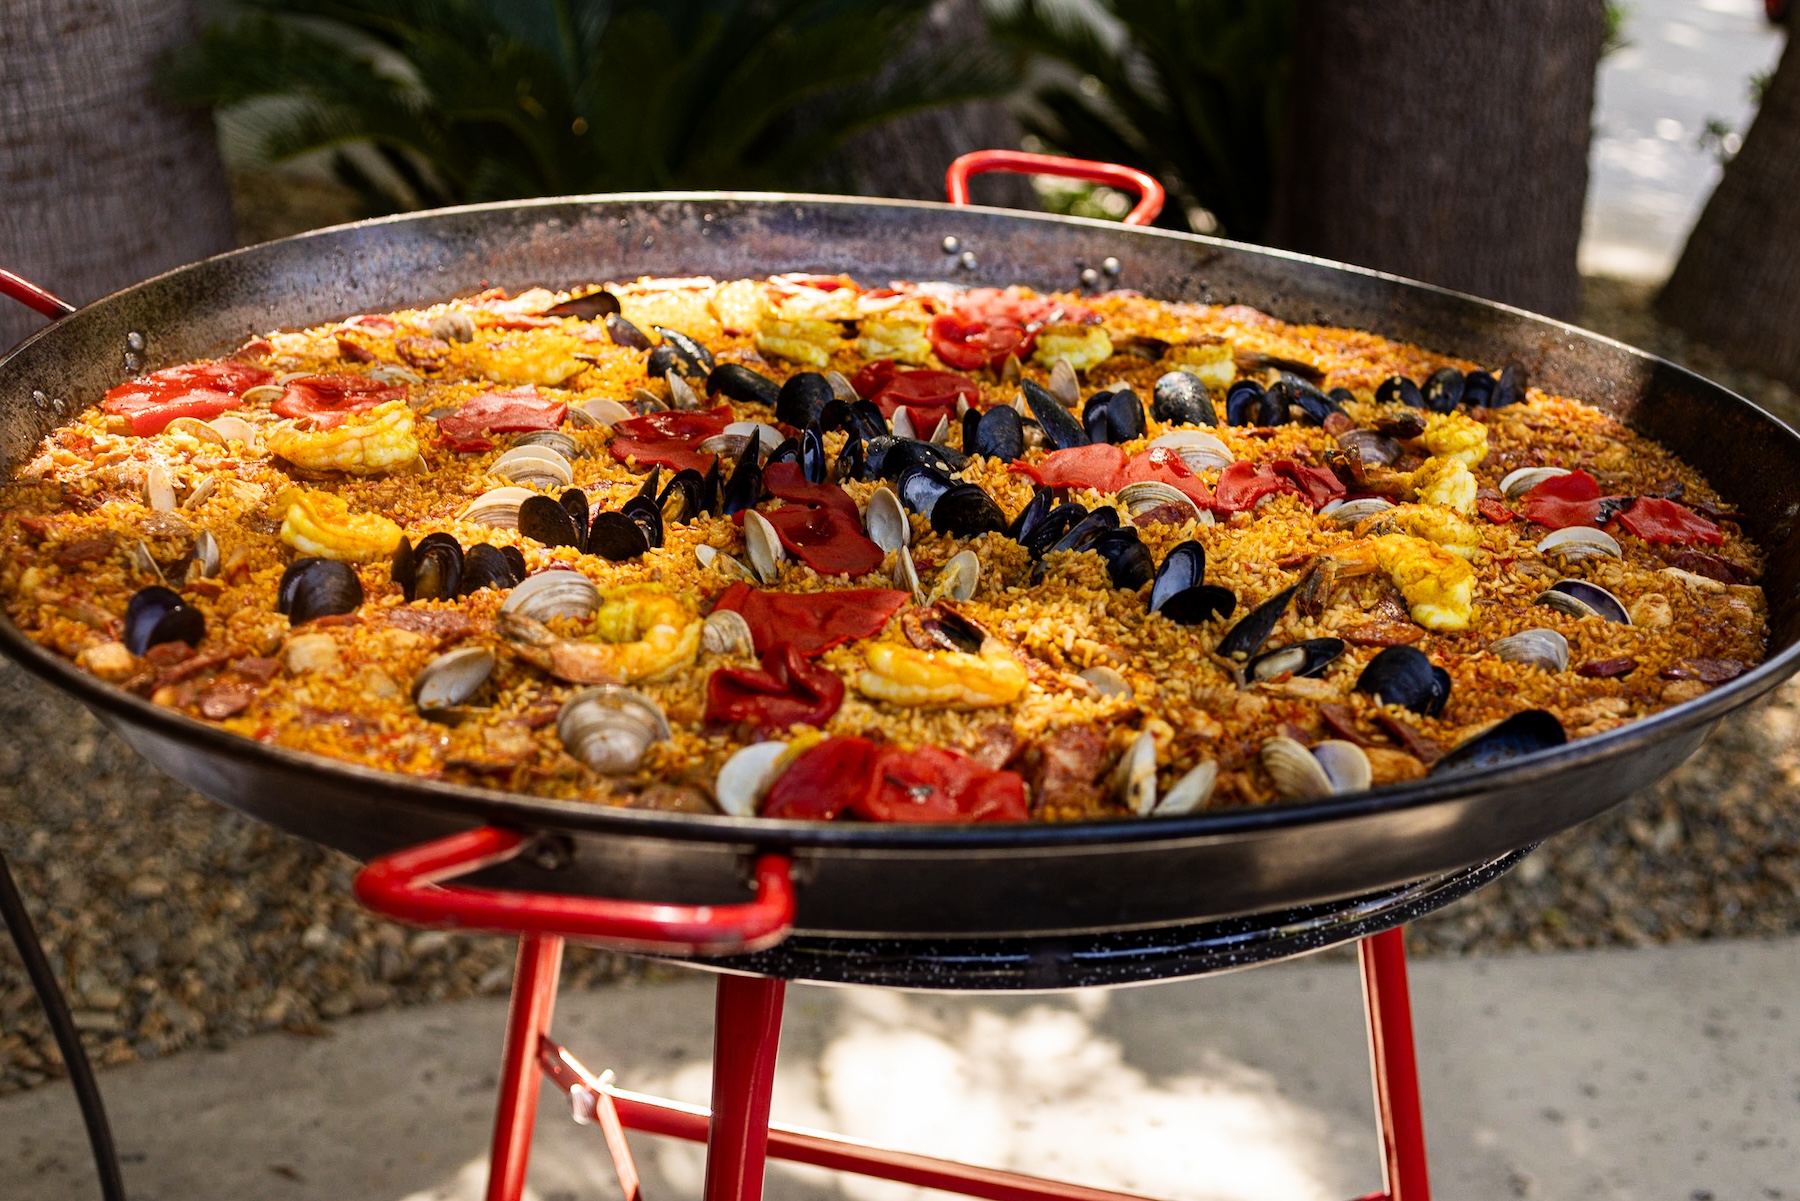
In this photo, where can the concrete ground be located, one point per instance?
(1671, 1073)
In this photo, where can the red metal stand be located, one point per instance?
(747, 1033)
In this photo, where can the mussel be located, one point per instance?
(432, 570)
(1115, 415)
(1478, 388)
(487, 566)
(1524, 733)
(812, 455)
(634, 529)
(610, 727)
(921, 487)
(1398, 390)
(315, 587)
(1179, 398)
(745, 487)
(1245, 638)
(1128, 561)
(1443, 389)
(624, 333)
(546, 520)
(802, 399)
(738, 382)
(965, 510)
(898, 454)
(999, 434)
(1308, 657)
(1182, 568)
(598, 303)
(1052, 527)
(1244, 402)
(156, 615)
(1510, 387)
(1061, 430)
(679, 353)
(1405, 676)
(1082, 534)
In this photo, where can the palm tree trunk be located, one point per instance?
(101, 184)
(1737, 284)
(1447, 142)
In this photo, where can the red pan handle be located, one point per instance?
(32, 296)
(405, 886)
(1129, 179)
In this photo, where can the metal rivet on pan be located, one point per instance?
(952, 244)
(133, 364)
(969, 260)
(1111, 266)
(1089, 277)
(134, 341)
(57, 405)
(39, 398)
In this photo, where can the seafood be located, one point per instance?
(904, 675)
(638, 633)
(320, 523)
(372, 443)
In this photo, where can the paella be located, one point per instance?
(806, 548)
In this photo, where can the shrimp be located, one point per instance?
(923, 679)
(1456, 436)
(1429, 522)
(320, 523)
(1438, 586)
(809, 342)
(640, 633)
(1446, 481)
(370, 443)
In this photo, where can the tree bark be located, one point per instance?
(1446, 142)
(103, 185)
(1737, 284)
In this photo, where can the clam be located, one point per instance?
(1133, 780)
(1200, 450)
(1300, 774)
(886, 520)
(1107, 681)
(205, 563)
(534, 467)
(599, 412)
(556, 593)
(1309, 657)
(906, 576)
(1063, 384)
(1577, 542)
(159, 489)
(762, 546)
(1537, 647)
(731, 565)
(727, 633)
(193, 427)
(746, 777)
(390, 373)
(451, 679)
(1179, 398)
(235, 429)
(1524, 733)
(1141, 497)
(1190, 792)
(958, 577)
(453, 327)
(1371, 446)
(609, 727)
(681, 396)
(264, 394)
(1345, 764)
(1405, 676)
(1348, 512)
(554, 440)
(647, 401)
(497, 507)
(1515, 484)
(1578, 598)
(840, 387)
(314, 587)
(201, 492)
(940, 433)
(902, 423)
(156, 615)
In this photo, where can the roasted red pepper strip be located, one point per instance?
(201, 390)
(890, 386)
(326, 400)
(931, 784)
(511, 411)
(673, 453)
(1165, 466)
(1243, 484)
(1564, 500)
(785, 480)
(1096, 466)
(1657, 520)
(672, 423)
(1494, 511)
(1319, 486)
(824, 539)
(968, 343)
(812, 622)
(787, 691)
(824, 781)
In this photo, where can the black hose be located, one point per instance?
(62, 1024)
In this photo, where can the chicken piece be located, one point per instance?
(1456, 436)
(1085, 346)
(894, 338)
(809, 342)
(903, 675)
(372, 443)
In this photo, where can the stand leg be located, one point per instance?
(1394, 1066)
(527, 1022)
(746, 1033)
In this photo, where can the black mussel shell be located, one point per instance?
(1035, 510)
(745, 487)
(1443, 391)
(437, 569)
(575, 504)
(1478, 388)
(865, 418)
(314, 587)
(1125, 414)
(834, 416)
(920, 488)
(999, 434)
(1278, 404)
(1245, 638)
(156, 614)
(648, 514)
(1096, 419)
(1340, 397)
(544, 520)
(1244, 402)
(952, 631)
(1591, 598)
(685, 497)
(787, 451)
(624, 333)
(712, 496)
(1182, 568)
(586, 308)
(1128, 560)
(965, 511)
(812, 455)
(971, 426)
(801, 400)
(1315, 404)
(485, 567)
(1180, 399)
(663, 360)
(738, 382)
(689, 357)
(1405, 676)
(515, 558)
(615, 536)
(1398, 390)
(852, 461)
(1083, 533)
(402, 568)
(1053, 527)
(438, 539)
(1510, 387)
(916, 452)
(1524, 733)
(652, 484)
(1061, 430)
(1201, 603)
(1308, 657)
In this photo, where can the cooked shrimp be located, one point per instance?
(640, 633)
(809, 342)
(320, 523)
(903, 675)
(1431, 522)
(1446, 481)
(1438, 586)
(370, 443)
(1456, 436)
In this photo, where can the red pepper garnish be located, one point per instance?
(812, 622)
(968, 343)
(890, 386)
(823, 781)
(1494, 511)
(1657, 520)
(928, 784)
(1319, 486)
(514, 410)
(1096, 466)
(788, 482)
(1165, 466)
(668, 438)
(326, 400)
(200, 390)
(824, 539)
(1564, 500)
(1243, 484)
(787, 691)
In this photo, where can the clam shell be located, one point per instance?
(888, 526)
(731, 565)
(235, 429)
(762, 545)
(1107, 681)
(940, 436)
(557, 593)
(1063, 384)
(1515, 484)
(1298, 776)
(555, 440)
(1345, 764)
(727, 633)
(193, 427)
(959, 577)
(451, 679)
(1134, 779)
(609, 727)
(1578, 598)
(159, 489)
(902, 424)
(1539, 647)
(840, 387)
(1145, 495)
(771, 437)
(1580, 542)
(206, 555)
(1348, 513)
(202, 490)
(389, 373)
(1200, 450)
(1190, 792)
(681, 396)
(265, 394)
(906, 576)
(497, 507)
(534, 467)
(600, 412)
(453, 327)
(745, 778)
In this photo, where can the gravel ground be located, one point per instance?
(176, 922)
